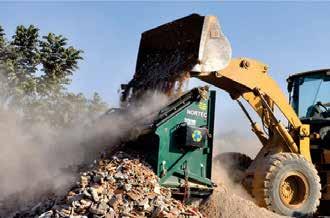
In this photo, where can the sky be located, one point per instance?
(288, 36)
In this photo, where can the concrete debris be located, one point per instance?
(122, 186)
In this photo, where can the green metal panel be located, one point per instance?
(174, 162)
(210, 124)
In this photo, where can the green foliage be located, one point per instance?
(34, 74)
(2, 37)
(58, 63)
(25, 45)
(64, 110)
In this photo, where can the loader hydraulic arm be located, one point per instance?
(197, 44)
(248, 78)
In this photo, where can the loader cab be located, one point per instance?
(310, 98)
(310, 94)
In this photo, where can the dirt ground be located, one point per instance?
(223, 203)
(231, 200)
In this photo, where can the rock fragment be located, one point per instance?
(122, 186)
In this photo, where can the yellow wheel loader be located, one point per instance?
(291, 173)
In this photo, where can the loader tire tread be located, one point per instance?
(267, 174)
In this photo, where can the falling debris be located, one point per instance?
(169, 53)
(164, 60)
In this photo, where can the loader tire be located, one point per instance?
(235, 164)
(287, 184)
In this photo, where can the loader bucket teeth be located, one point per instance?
(168, 53)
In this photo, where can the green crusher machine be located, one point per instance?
(178, 142)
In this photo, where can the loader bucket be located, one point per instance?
(169, 52)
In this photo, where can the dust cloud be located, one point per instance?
(229, 172)
(38, 160)
(225, 179)
(230, 199)
(236, 141)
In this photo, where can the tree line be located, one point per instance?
(35, 72)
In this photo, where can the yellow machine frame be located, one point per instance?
(248, 78)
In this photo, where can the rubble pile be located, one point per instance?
(120, 187)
